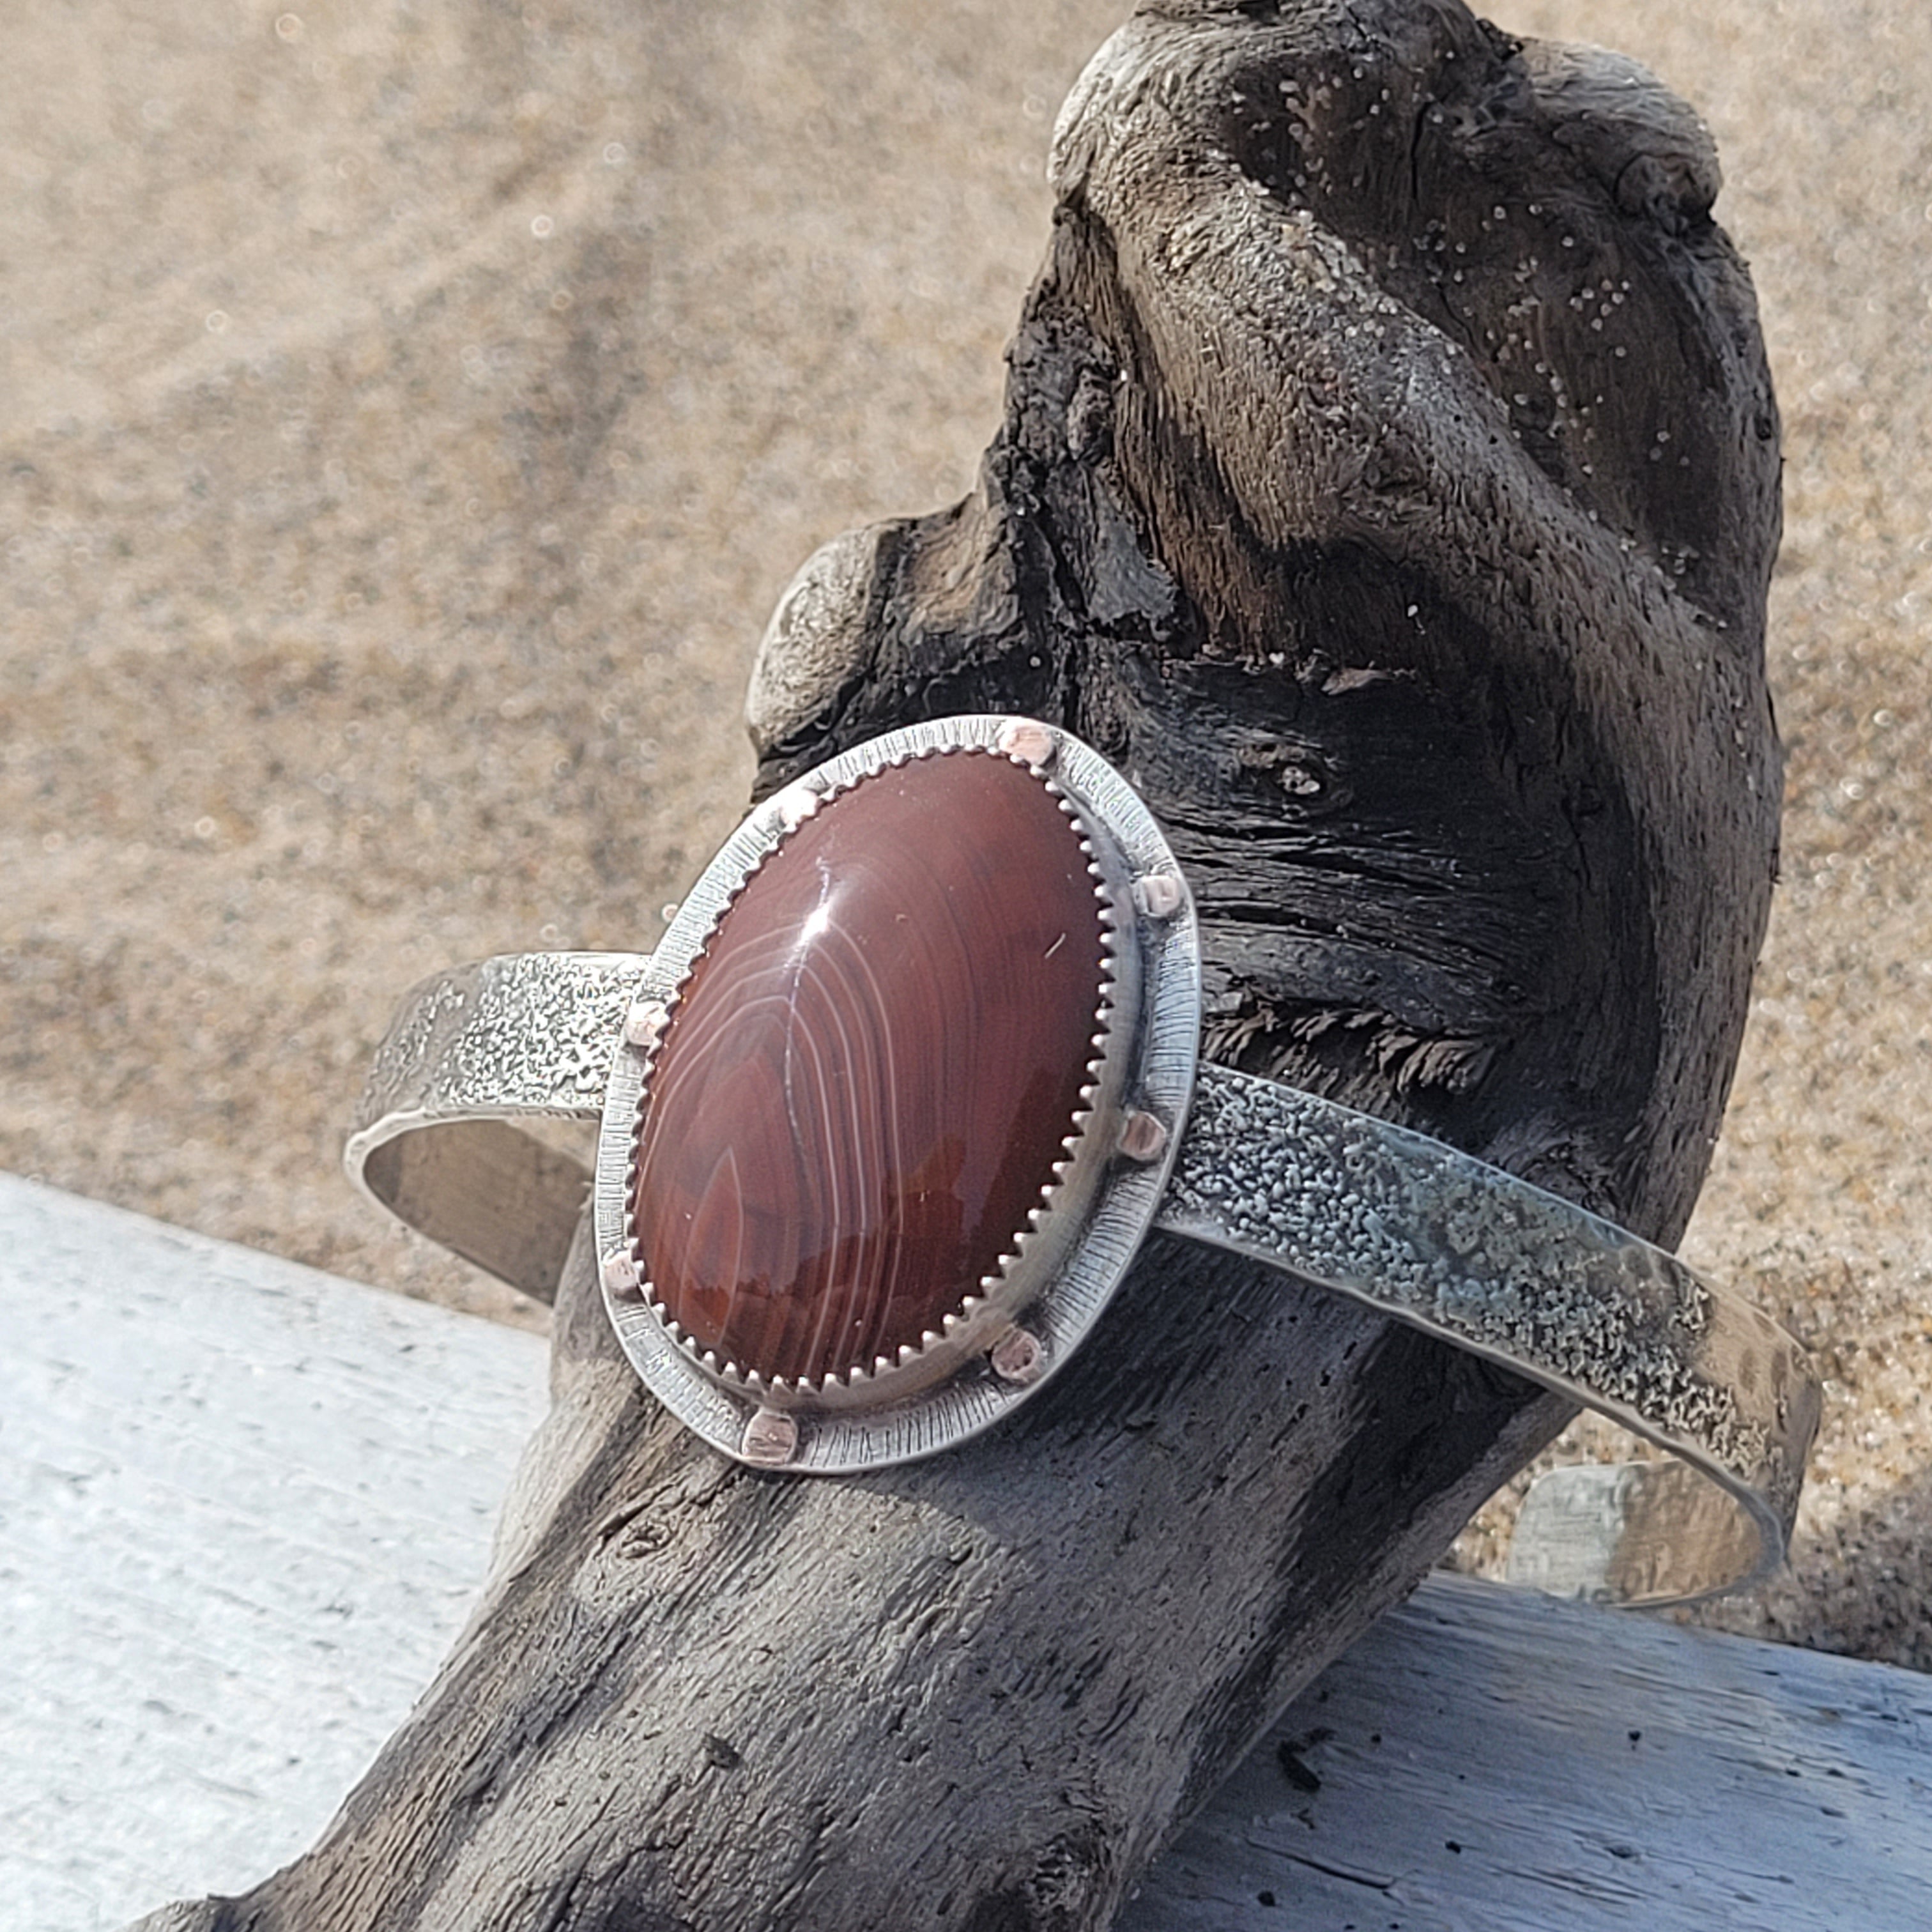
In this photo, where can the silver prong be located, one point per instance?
(620, 1276)
(1032, 743)
(1158, 895)
(644, 1022)
(1142, 1136)
(796, 804)
(1018, 1358)
(770, 1439)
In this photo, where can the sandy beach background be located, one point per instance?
(412, 408)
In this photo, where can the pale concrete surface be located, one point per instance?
(412, 408)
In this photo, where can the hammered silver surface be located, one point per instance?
(527, 1033)
(1467, 1252)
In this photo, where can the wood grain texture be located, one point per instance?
(1430, 626)
(1487, 1760)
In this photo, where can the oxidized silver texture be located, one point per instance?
(1423, 1232)
(526, 1033)
(1413, 1228)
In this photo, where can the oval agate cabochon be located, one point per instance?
(867, 1080)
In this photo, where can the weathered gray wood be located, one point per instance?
(244, 1508)
(1427, 613)
(176, 1410)
(1489, 1760)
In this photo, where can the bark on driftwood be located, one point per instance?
(1388, 483)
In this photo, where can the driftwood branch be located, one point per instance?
(1388, 482)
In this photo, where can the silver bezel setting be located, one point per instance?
(1065, 1266)
(986, 1313)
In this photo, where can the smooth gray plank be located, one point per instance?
(243, 1508)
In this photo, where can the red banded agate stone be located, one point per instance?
(871, 1070)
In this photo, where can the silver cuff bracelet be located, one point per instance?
(915, 1070)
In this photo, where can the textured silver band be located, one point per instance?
(1413, 1228)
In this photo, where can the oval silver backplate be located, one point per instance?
(1158, 982)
